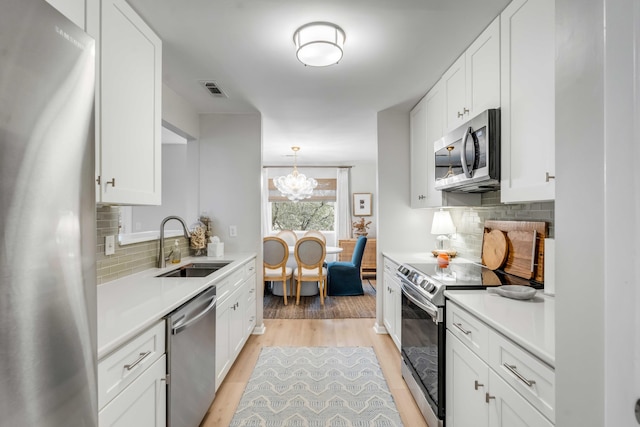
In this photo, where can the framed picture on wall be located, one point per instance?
(361, 204)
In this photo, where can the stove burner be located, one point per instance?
(431, 281)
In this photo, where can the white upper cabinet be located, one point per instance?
(72, 9)
(472, 83)
(418, 150)
(128, 108)
(528, 101)
(427, 126)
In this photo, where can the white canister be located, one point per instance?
(215, 248)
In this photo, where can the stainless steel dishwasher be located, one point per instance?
(191, 338)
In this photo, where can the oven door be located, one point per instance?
(422, 345)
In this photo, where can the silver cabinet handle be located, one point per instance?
(112, 182)
(513, 370)
(138, 361)
(488, 397)
(463, 330)
(548, 177)
(477, 385)
(460, 114)
(465, 110)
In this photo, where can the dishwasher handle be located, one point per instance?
(180, 325)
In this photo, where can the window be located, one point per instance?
(303, 216)
(315, 213)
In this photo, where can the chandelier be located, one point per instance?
(295, 186)
(319, 44)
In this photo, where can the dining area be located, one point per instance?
(301, 264)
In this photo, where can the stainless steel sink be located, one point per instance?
(196, 269)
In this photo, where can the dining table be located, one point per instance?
(306, 288)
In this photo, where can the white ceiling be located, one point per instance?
(395, 50)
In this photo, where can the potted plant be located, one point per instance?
(360, 227)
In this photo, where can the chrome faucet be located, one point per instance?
(162, 261)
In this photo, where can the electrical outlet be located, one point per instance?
(233, 231)
(110, 245)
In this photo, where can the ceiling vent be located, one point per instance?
(213, 88)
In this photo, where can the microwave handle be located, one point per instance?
(463, 152)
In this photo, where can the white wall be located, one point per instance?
(175, 200)
(363, 180)
(230, 174)
(179, 115)
(400, 228)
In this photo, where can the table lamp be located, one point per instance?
(442, 226)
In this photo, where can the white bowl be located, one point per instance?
(516, 291)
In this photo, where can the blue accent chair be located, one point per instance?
(343, 276)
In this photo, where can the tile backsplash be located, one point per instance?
(127, 259)
(469, 221)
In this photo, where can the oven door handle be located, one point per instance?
(431, 309)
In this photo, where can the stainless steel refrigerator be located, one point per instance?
(47, 219)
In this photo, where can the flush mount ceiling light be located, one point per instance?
(319, 44)
(295, 186)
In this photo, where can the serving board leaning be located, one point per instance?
(525, 241)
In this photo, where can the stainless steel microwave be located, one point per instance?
(468, 158)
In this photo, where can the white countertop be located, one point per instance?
(129, 305)
(529, 323)
(418, 258)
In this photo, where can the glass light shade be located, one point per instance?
(295, 186)
(319, 44)
(442, 223)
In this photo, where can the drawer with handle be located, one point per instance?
(471, 331)
(120, 368)
(532, 378)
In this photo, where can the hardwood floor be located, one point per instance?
(313, 332)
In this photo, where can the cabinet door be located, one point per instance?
(435, 130)
(419, 152)
(467, 380)
(142, 404)
(454, 80)
(388, 314)
(128, 136)
(509, 409)
(528, 101)
(482, 66)
(236, 321)
(396, 302)
(223, 351)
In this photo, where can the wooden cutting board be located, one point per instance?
(542, 231)
(522, 249)
(494, 249)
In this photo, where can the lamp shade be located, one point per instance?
(319, 44)
(442, 223)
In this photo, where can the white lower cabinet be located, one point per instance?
(132, 382)
(235, 316)
(491, 381)
(392, 301)
(141, 404)
(507, 408)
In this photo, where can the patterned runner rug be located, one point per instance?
(317, 387)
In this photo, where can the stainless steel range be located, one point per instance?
(424, 328)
